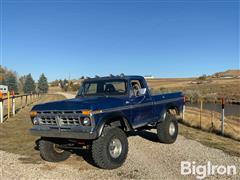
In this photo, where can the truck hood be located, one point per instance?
(91, 103)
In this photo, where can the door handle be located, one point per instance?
(127, 102)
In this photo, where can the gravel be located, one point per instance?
(147, 159)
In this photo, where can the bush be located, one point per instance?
(203, 77)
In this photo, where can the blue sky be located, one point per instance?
(161, 38)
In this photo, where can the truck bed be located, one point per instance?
(167, 96)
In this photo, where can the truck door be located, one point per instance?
(141, 105)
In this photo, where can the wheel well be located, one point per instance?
(118, 121)
(114, 120)
(172, 109)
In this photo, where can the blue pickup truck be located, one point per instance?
(104, 110)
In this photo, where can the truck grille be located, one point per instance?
(60, 118)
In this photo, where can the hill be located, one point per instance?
(230, 73)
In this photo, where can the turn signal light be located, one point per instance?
(33, 113)
(85, 112)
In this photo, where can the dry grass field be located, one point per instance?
(211, 90)
(210, 121)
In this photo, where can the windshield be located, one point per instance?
(103, 87)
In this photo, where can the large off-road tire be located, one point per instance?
(50, 152)
(167, 130)
(110, 150)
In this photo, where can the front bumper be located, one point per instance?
(63, 132)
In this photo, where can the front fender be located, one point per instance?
(108, 117)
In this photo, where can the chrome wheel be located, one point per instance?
(115, 148)
(172, 129)
(57, 149)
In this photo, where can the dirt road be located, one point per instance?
(147, 159)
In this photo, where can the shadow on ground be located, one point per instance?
(85, 154)
(150, 136)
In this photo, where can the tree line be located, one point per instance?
(23, 84)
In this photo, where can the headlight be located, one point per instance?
(86, 121)
(35, 121)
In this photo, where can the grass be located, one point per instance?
(14, 136)
(225, 144)
(210, 121)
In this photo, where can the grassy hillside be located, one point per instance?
(210, 90)
(233, 72)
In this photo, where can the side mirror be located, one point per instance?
(142, 91)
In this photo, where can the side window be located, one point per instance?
(115, 87)
(120, 86)
(91, 88)
(136, 86)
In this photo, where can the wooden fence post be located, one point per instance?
(13, 103)
(183, 112)
(8, 102)
(212, 120)
(31, 98)
(21, 102)
(1, 108)
(201, 107)
(26, 100)
(222, 118)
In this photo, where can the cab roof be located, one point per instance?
(119, 77)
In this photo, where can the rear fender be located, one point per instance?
(167, 109)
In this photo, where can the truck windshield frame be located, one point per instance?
(118, 87)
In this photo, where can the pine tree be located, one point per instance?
(11, 82)
(43, 84)
(2, 76)
(29, 84)
(21, 82)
